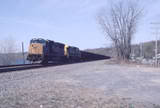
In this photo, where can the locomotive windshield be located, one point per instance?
(42, 41)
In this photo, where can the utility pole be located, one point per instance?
(156, 49)
(23, 53)
(156, 29)
(141, 50)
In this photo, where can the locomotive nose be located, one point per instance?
(35, 52)
(36, 48)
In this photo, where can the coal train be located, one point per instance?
(45, 51)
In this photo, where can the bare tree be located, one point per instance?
(119, 24)
(8, 48)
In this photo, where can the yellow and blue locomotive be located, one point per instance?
(46, 50)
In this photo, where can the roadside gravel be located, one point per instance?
(84, 85)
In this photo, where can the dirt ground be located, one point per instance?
(98, 84)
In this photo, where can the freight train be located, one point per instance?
(45, 51)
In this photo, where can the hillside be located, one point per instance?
(102, 51)
(146, 50)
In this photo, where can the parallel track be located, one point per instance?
(24, 67)
(18, 67)
(13, 65)
(12, 68)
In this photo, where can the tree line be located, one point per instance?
(8, 50)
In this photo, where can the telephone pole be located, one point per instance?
(156, 32)
(23, 53)
(141, 50)
(156, 48)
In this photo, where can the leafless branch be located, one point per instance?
(120, 25)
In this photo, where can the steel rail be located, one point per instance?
(18, 67)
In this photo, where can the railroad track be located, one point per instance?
(1, 66)
(18, 67)
(11, 68)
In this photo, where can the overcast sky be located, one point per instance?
(68, 21)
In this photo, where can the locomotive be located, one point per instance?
(49, 51)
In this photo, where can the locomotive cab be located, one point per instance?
(36, 50)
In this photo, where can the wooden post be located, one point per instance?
(23, 53)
